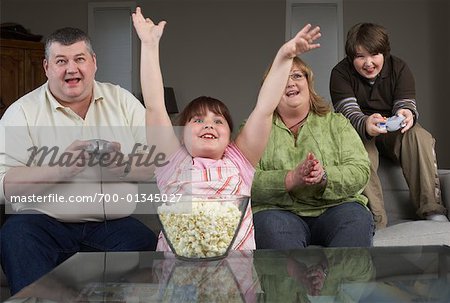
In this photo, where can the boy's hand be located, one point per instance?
(147, 31)
(409, 118)
(372, 128)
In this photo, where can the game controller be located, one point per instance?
(100, 147)
(393, 123)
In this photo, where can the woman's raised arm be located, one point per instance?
(254, 135)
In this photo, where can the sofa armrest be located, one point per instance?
(444, 178)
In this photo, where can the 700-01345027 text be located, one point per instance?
(98, 197)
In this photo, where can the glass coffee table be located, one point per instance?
(378, 274)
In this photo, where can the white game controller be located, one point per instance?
(100, 147)
(393, 123)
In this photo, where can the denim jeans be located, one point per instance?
(346, 225)
(33, 244)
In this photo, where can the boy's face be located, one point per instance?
(366, 64)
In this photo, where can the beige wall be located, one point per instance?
(210, 47)
(222, 47)
(219, 49)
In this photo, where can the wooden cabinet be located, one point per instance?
(21, 69)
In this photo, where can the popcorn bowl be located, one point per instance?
(202, 227)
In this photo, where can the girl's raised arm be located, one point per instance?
(159, 126)
(253, 137)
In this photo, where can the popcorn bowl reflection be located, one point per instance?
(202, 282)
(202, 227)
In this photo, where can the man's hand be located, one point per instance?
(79, 159)
(372, 128)
(118, 168)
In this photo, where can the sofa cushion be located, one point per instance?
(444, 178)
(420, 232)
(397, 200)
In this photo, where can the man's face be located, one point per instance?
(70, 71)
(366, 64)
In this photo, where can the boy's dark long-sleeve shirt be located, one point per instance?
(357, 98)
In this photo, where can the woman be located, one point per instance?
(308, 184)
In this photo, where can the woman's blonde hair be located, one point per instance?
(318, 105)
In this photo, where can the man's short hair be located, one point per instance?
(67, 36)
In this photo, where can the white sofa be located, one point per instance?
(404, 227)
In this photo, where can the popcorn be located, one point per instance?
(206, 230)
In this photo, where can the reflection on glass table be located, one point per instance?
(201, 282)
(384, 274)
(381, 274)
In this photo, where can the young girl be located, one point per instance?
(207, 161)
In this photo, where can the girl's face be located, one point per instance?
(207, 136)
(368, 65)
(296, 93)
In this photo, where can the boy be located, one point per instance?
(366, 87)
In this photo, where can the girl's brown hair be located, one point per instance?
(199, 106)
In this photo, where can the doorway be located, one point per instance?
(328, 14)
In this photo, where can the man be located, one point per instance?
(370, 85)
(64, 198)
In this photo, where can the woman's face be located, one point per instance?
(207, 135)
(368, 65)
(296, 94)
